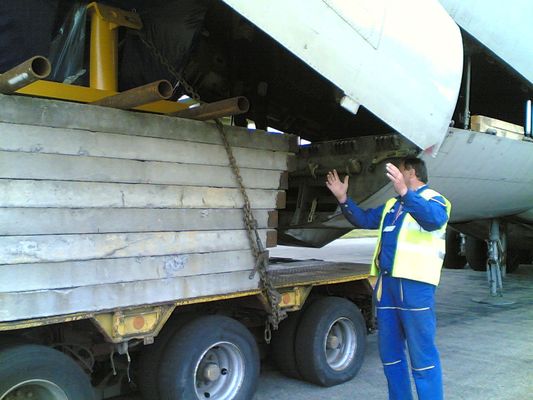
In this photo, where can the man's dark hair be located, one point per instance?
(419, 166)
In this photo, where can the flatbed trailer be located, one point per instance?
(126, 263)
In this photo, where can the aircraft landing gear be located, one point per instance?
(496, 250)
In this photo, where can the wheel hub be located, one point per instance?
(333, 342)
(340, 344)
(220, 372)
(212, 372)
(35, 389)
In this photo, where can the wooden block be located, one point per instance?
(281, 199)
(35, 139)
(70, 274)
(60, 114)
(30, 193)
(284, 180)
(81, 168)
(35, 304)
(481, 123)
(58, 248)
(47, 221)
(271, 238)
(292, 162)
(272, 219)
(293, 144)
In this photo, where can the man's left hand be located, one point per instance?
(397, 179)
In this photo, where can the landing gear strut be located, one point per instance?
(496, 250)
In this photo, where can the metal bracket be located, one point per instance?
(138, 323)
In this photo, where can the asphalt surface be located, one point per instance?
(486, 350)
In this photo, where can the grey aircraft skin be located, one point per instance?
(486, 176)
(366, 82)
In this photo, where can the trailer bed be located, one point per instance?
(287, 272)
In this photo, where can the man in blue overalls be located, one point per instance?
(407, 260)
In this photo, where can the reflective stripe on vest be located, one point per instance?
(419, 253)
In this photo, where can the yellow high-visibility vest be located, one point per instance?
(419, 253)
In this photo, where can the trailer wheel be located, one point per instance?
(39, 372)
(151, 355)
(476, 253)
(331, 341)
(211, 357)
(282, 345)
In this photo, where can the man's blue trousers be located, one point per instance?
(405, 313)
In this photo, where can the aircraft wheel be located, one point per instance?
(515, 258)
(476, 253)
(452, 259)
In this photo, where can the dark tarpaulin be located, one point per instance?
(173, 27)
(25, 30)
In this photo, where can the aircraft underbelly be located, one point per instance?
(381, 54)
(484, 176)
(501, 26)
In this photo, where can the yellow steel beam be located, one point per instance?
(35, 322)
(328, 281)
(105, 21)
(146, 321)
(136, 323)
(82, 94)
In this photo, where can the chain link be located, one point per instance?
(168, 65)
(276, 314)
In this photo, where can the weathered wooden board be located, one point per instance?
(60, 114)
(61, 275)
(33, 139)
(501, 128)
(57, 248)
(31, 193)
(46, 221)
(102, 208)
(81, 168)
(34, 304)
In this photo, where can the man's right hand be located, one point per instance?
(338, 188)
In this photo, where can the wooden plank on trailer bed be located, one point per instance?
(57, 248)
(80, 168)
(47, 276)
(65, 194)
(35, 304)
(46, 221)
(32, 139)
(60, 114)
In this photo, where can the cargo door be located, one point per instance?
(400, 60)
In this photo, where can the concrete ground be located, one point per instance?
(486, 351)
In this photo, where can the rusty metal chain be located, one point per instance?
(166, 63)
(276, 314)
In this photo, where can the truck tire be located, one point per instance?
(39, 372)
(330, 342)
(452, 259)
(210, 357)
(476, 253)
(151, 355)
(282, 345)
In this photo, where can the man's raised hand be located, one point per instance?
(397, 179)
(336, 186)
